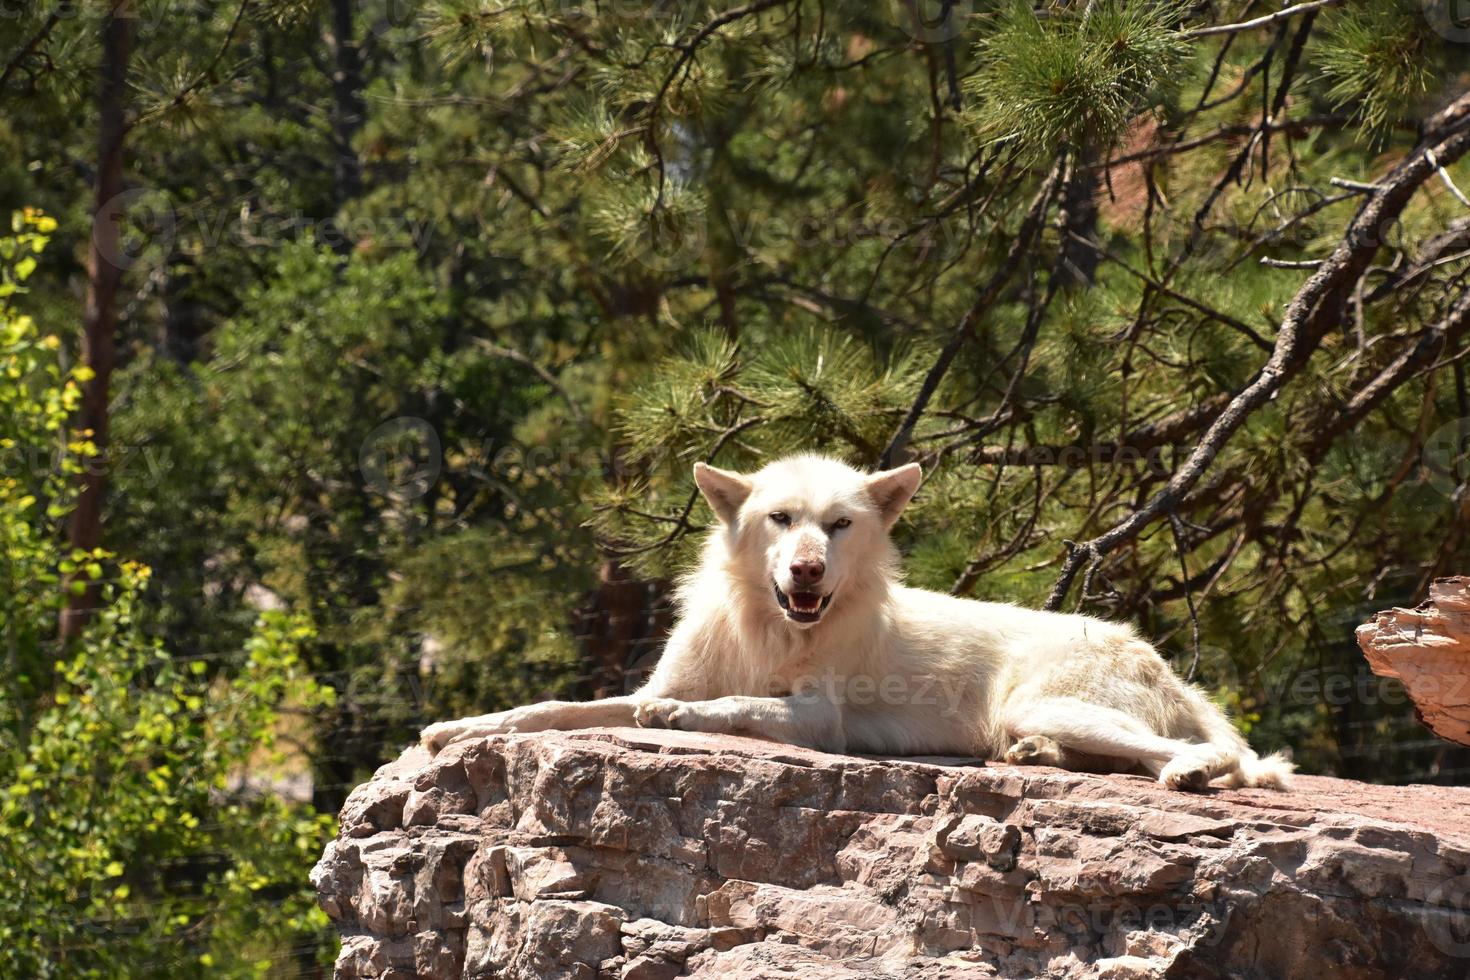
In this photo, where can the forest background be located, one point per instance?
(356, 355)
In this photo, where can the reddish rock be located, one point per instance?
(1428, 650)
(655, 854)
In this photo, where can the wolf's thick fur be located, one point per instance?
(795, 627)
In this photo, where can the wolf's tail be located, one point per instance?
(1272, 772)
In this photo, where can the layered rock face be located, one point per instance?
(654, 854)
(1428, 649)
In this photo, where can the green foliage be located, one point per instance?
(136, 833)
(1379, 59)
(1075, 79)
(651, 231)
(814, 391)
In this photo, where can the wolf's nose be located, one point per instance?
(807, 571)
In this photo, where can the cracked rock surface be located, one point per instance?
(655, 854)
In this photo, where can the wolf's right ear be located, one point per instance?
(724, 489)
(891, 490)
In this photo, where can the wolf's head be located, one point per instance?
(808, 528)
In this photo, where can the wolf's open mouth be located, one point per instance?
(803, 607)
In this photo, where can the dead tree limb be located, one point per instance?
(1311, 313)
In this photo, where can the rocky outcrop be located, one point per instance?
(1428, 649)
(654, 854)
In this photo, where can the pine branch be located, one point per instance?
(191, 87)
(686, 55)
(1240, 326)
(1311, 313)
(28, 48)
(989, 293)
(1292, 126)
(1142, 440)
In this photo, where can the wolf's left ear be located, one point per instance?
(724, 489)
(891, 490)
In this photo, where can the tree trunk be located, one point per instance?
(1079, 218)
(104, 273)
(348, 110)
(620, 631)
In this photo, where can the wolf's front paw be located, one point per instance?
(436, 736)
(1035, 750)
(661, 713)
(684, 716)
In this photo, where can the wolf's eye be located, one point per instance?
(782, 518)
(841, 523)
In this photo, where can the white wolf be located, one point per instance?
(795, 627)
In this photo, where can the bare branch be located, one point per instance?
(1266, 20)
(989, 293)
(540, 372)
(1311, 313)
(26, 50)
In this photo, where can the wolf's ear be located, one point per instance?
(725, 490)
(892, 489)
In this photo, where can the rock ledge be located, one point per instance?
(1428, 649)
(653, 854)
